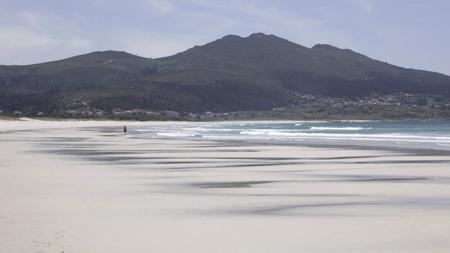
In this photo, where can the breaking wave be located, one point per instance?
(340, 128)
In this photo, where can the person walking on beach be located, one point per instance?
(125, 130)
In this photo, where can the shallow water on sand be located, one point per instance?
(429, 134)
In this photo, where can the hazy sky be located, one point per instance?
(410, 33)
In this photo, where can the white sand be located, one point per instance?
(66, 189)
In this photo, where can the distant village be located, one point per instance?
(401, 99)
(305, 103)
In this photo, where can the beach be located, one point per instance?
(84, 186)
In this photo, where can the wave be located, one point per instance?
(305, 131)
(208, 129)
(340, 128)
(393, 137)
(179, 134)
(355, 121)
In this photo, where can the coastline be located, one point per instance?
(85, 187)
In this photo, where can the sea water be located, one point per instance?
(417, 134)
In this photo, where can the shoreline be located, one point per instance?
(411, 146)
(320, 143)
(73, 186)
(355, 144)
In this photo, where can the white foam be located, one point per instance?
(378, 137)
(356, 121)
(263, 131)
(339, 128)
(208, 129)
(179, 134)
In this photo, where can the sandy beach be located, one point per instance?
(79, 186)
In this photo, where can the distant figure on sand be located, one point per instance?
(124, 130)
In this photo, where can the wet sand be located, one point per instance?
(66, 186)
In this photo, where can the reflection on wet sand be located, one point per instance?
(267, 172)
(74, 189)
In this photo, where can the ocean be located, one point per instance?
(414, 134)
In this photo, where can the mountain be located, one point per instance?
(234, 73)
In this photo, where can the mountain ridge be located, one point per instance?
(253, 35)
(233, 73)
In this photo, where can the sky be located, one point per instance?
(408, 33)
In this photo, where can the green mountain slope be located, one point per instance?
(258, 72)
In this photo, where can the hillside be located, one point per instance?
(258, 72)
